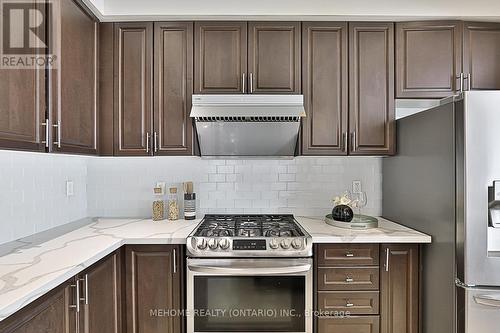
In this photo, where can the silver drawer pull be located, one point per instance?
(349, 279)
(349, 254)
(349, 304)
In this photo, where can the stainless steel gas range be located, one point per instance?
(249, 273)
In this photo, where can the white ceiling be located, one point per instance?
(305, 9)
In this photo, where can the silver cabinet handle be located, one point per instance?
(85, 281)
(387, 259)
(155, 139)
(147, 142)
(468, 77)
(354, 141)
(488, 300)
(251, 83)
(175, 260)
(349, 254)
(77, 303)
(461, 82)
(243, 83)
(349, 279)
(345, 143)
(58, 132)
(47, 133)
(349, 304)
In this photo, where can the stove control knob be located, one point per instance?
(202, 244)
(224, 243)
(213, 243)
(274, 244)
(297, 243)
(285, 244)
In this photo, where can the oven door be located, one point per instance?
(249, 295)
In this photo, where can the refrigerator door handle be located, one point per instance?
(488, 300)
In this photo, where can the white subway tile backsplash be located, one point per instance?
(33, 198)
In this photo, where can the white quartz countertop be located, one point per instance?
(32, 267)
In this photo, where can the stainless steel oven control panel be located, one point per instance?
(245, 247)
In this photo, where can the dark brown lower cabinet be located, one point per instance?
(399, 303)
(352, 324)
(101, 294)
(48, 314)
(153, 284)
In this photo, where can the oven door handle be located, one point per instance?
(250, 270)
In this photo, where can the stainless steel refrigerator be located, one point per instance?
(444, 181)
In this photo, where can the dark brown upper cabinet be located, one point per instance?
(399, 293)
(22, 109)
(274, 57)
(132, 88)
(482, 55)
(153, 280)
(22, 106)
(371, 88)
(74, 94)
(325, 77)
(428, 58)
(220, 57)
(173, 87)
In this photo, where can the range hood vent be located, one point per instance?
(247, 125)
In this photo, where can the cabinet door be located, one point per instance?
(351, 324)
(324, 54)
(371, 83)
(74, 82)
(101, 297)
(22, 109)
(47, 314)
(399, 302)
(428, 58)
(274, 57)
(153, 282)
(220, 57)
(133, 94)
(173, 88)
(482, 55)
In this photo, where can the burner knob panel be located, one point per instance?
(224, 243)
(274, 244)
(213, 243)
(202, 244)
(285, 244)
(297, 244)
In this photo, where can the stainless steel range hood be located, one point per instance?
(247, 125)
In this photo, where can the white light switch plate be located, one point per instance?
(70, 191)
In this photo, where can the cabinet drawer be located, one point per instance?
(348, 254)
(366, 324)
(348, 278)
(356, 302)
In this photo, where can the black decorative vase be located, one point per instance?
(342, 213)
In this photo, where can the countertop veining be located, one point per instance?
(35, 265)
